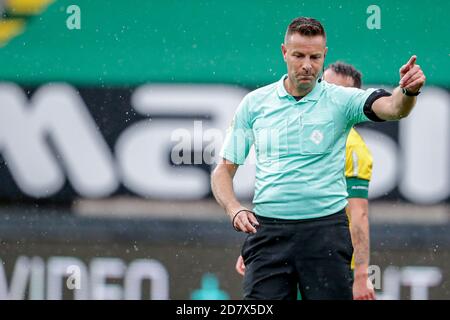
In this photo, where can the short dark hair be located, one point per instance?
(347, 70)
(306, 27)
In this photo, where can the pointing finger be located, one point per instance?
(412, 60)
(409, 65)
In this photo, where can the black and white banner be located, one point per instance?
(160, 141)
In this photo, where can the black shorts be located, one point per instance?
(312, 255)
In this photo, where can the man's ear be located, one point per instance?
(283, 51)
(325, 53)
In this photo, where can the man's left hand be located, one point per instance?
(411, 76)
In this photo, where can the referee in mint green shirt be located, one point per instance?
(298, 229)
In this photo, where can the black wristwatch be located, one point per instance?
(410, 94)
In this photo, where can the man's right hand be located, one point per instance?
(245, 220)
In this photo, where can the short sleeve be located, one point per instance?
(356, 101)
(357, 188)
(239, 137)
(356, 104)
(358, 166)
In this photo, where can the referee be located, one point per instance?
(358, 172)
(298, 233)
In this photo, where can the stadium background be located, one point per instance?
(87, 117)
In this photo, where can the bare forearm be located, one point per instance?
(362, 287)
(222, 188)
(394, 107)
(360, 239)
(402, 104)
(359, 214)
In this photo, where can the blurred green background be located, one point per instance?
(220, 41)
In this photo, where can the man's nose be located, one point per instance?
(307, 66)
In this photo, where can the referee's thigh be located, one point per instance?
(324, 267)
(269, 268)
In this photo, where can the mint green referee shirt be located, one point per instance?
(300, 147)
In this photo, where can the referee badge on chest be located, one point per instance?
(316, 136)
(316, 133)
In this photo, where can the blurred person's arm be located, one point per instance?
(358, 210)
(358, 172)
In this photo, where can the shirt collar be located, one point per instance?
(311, 96)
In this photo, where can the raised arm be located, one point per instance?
(222, 187)
(400, 104)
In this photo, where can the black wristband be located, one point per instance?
(410, 94)
(235, 215)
